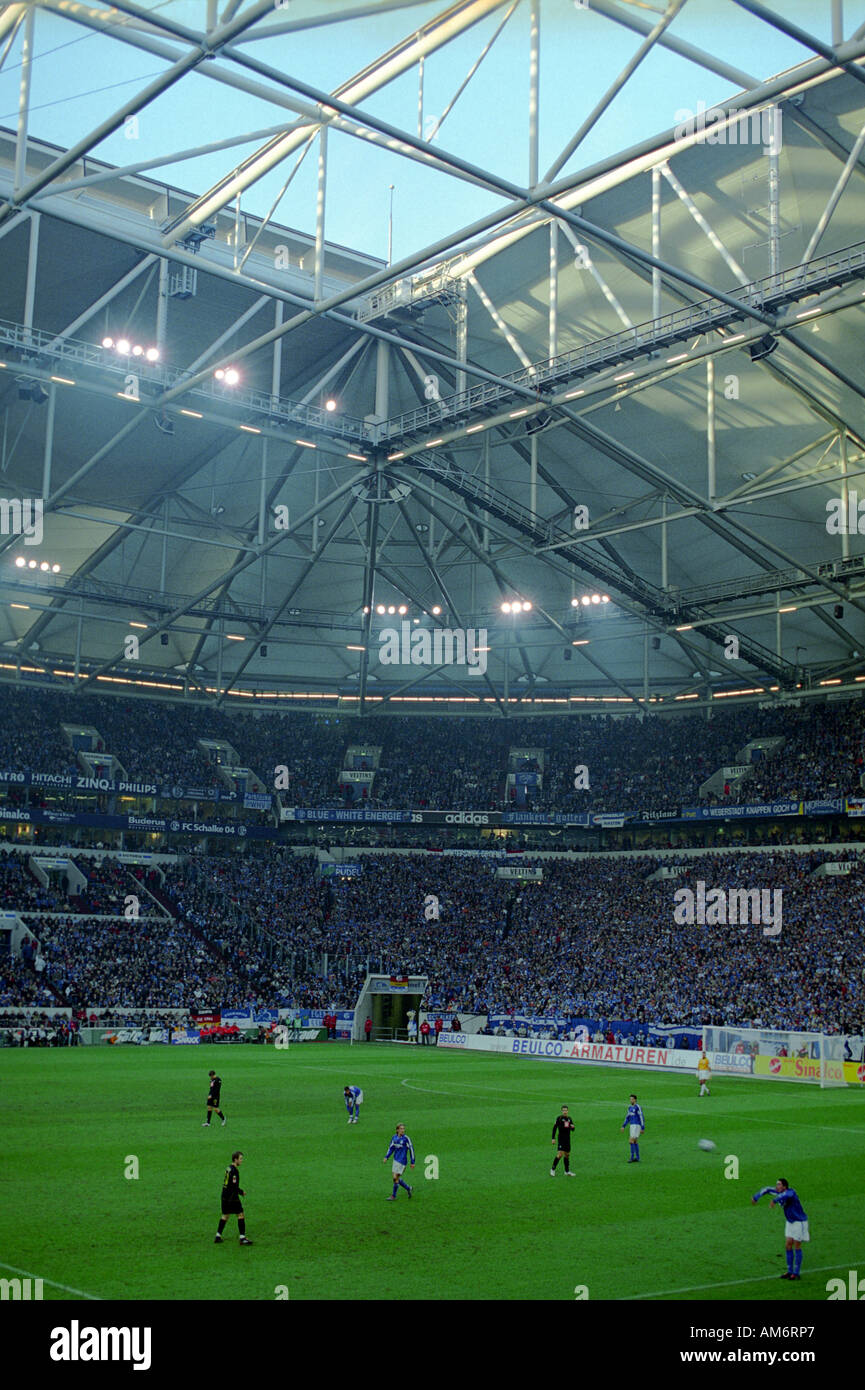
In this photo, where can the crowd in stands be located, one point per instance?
(597, 938)
(148, 963)
(453, 763)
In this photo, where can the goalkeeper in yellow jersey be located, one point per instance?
(704, 1074)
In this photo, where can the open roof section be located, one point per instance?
(668, 338)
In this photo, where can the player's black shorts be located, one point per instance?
(232, 1209)
(214, 1101)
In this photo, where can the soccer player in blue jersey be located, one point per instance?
(403, 1152)
(353, 1097)
(634, 1120)
(796, 1222)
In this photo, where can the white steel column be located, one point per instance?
(49, 442)
(665, 565)
(24, 100)
(32, 259)
(710, 429)
(534, 88)
(845, 499)
(486, 530)
(533, 475)
(162, 306)
(774, 193)
(656, 242)
(462, 341)
(320, 202)
(554, 290)
(276, 372)
(382, 380)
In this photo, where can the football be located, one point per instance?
(706, 1145)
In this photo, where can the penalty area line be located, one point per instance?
(94, 1297)
(728, 1283)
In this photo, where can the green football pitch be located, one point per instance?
(486, 1222)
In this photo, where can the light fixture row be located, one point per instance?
(588, 599)
(124, 348)
(393, 609)
(22, 563)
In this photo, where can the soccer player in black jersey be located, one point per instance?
(562, 1135)
(231, 1203)
(213, 1098)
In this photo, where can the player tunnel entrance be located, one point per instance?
(390, 1015)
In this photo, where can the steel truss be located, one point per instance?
(469, 512)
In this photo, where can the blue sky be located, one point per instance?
(80, 77)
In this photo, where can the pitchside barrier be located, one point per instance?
(651, 1058)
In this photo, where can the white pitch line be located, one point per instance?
(65, 1287)
(665, 1109)
(731, 1283)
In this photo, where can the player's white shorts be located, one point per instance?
(359, 1098)
(398, 1169)
(635, 1132)
(796, 1230)
(704, 1077)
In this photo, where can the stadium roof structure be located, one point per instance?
(640, 381)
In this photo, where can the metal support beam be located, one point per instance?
(801, 36)
(509, 337)
(585, 262)
(553, 340)
(462, 326)
(612, 92)
(533, 475)
(534, 89)
(238, 568)
(48, 453)
(131, 275)
(320, 205)
(20, 173)
(400, 59)
(774, 193)
(704, 226)
(656, 242)
(162, 306)
(711, 486)
(208, 48)
(32, 263)
(845, 498)
(292, 590)
(835, 196)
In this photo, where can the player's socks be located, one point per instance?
(395, 1186)
(797, 1262)
(567, 1163)
(790, 1254)
(241, 1225)
(405, 1185)
(221, 1227)
(636, 1153)
(555, 1165)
